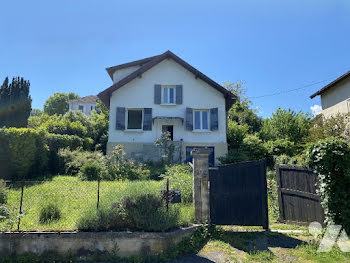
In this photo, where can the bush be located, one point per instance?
(181, 178)
(145, 212)
(330, 160)
(49, 212)
(57, 142)
(3, 192)
(90, 171)
(120, 168)
(64, 127)
(73, 160)
(22, 153)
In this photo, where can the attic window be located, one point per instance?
(168, 94)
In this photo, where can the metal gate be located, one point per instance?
(298, 200)
(238, 194)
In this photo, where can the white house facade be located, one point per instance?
(164, 93)
(84, 104)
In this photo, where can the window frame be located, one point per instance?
(81, 105)
(127, 118)
(201, 120)
(162, 94)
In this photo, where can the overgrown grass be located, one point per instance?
(73, 197)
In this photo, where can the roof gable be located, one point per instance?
(150, 62)
(330, 85)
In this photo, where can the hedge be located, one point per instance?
(330, 159)
(23, 153)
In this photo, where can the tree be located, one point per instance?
(15, 103)
(58, 103)
(36, 112)
(241, 112)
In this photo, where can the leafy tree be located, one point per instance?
(100, 125)
(58, 103)
(36, 112)
(15, 103)
(286, 124)
(241, 112)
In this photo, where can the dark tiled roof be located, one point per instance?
(150, 62)
(87, 99)
(330, 85)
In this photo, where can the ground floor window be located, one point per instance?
(134, 119)
(211, 156)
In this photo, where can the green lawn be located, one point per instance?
(73, 197)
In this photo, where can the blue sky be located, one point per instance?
(272, 46)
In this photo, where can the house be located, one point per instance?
(84, 104)
(164, 93)
(335, 97)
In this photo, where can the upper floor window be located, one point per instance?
(201, 120)
(81, 107)
(134, 119)
(168, 94)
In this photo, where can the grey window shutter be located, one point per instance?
(120, 120)
(214, 119)
(179, 94)
(147, 119)
(157, 94)
(189, 119)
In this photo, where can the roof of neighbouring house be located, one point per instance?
(88, 99)
(330, 85)
(148, 63)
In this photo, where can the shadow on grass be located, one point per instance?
(251, 242)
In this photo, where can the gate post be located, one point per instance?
(201, 184)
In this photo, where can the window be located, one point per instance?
(168, 94)
(81, 107)
(201, 120)
(92, 107)
(134, 119)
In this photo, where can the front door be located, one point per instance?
(170, 129)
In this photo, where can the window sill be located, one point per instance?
(167, 104)
(202, 131)
(134, 131)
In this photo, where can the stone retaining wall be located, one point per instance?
(123, 244)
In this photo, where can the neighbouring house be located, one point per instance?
(164, 93)
(84, 104)
(335, 97)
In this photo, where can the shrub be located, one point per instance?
(236, 134)
(90, 171)
(181, 178)
(143, 212)
(3, 192)
(120, 168)
(73, 160)
(330, 160)
(64, 127)
(22, 153)
(49, 212)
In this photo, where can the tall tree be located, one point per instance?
(15, 103)
(58, 103)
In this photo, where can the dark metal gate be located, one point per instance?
(238, 194)
(297, 197)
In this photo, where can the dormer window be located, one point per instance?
(168, 94)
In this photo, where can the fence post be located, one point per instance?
(98, 193)
(201, 184)
(20, 207)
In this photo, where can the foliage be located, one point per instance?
(236, 134)
(286, 125)
(4, 213)
(91, 171)
(273, 207)
(121, 168)
(137, 208)
(74, 160)
(64, 126)
(330, 160)
(100, 126)
(15, 103)
(333, 126)
(240, 112)
(280, 146)
(167, 146)
(49, 212)
(23, 153)
(181, 178)
(36, 112)
(58, 103)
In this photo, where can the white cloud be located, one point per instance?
(316, 109)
